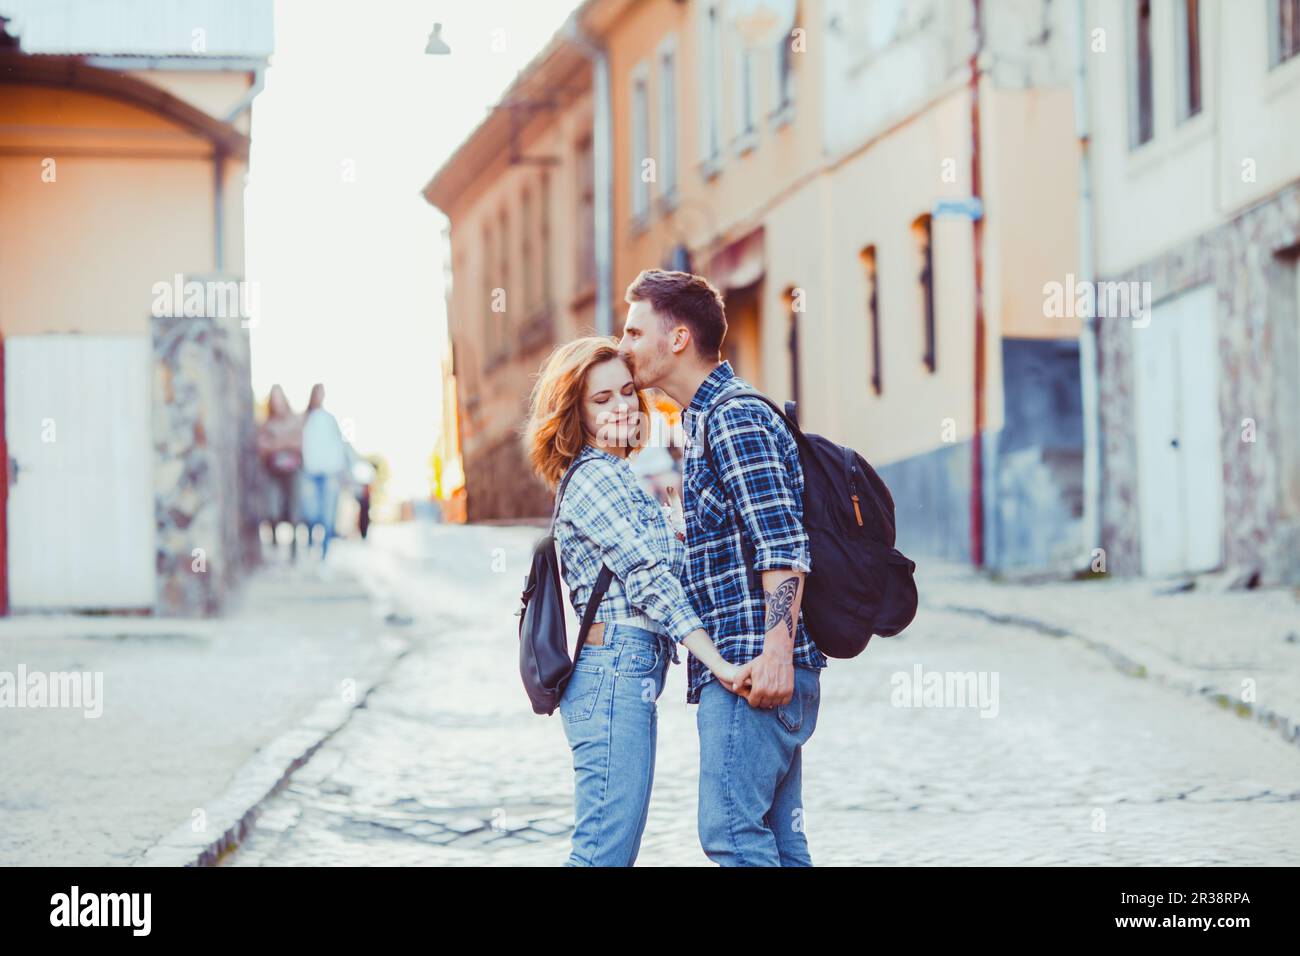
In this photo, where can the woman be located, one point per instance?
(586, 414)
(324, 458)
(279, 445)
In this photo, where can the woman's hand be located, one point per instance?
(734, 678)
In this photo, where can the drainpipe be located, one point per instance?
(218, 208)
(219, 171)
(977, 225)
(259, 79)
(602, 148)
(1088, 370)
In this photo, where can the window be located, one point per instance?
(1284, 17)
(868, 257)
(783, 77)
(640, 145)
(526, 250)
(586, 238)
(545, 229)
(745, 96)
(1141, 112)
(745, 102)
(711, 70)
(921, 230)
(792, 344)
(668, 123)
(489, 317)
(1188, 16)
(503, 280)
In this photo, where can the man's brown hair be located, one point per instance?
(686, 298)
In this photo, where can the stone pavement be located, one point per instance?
(244, 741)
(1240, 649)
(200, 719)
(1073, 761)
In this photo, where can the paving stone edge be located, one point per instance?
(1167, 674)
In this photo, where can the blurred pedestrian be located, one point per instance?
(323, 463)
(364, 473)
(279, 446)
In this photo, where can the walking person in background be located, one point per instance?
(324, 460)
(586, 418)
(279, 446)
(364, 473)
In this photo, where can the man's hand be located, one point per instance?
(772, 673)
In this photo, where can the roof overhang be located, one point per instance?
(74, 73)
(562, 65)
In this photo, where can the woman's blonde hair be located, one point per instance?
(554, 435)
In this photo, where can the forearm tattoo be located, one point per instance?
(780, 603)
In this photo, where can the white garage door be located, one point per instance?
(78, 422)
(1180, 459)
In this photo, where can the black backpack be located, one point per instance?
(860, 583)
(544, 662)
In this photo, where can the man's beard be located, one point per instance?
(639, 377)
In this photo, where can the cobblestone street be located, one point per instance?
(1074, 762)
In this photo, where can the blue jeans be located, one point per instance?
(319, 502)
(751, 774)
(611, 719)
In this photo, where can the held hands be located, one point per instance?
(736, 678)
(772, 678)
(766, 681)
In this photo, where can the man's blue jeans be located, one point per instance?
(751, 774)
(610, 717)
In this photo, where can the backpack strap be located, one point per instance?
(602, 579)
(788, 416)
(589, 612)
(559, 492)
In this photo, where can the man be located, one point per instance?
(750, 805)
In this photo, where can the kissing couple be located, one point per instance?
(729, 586)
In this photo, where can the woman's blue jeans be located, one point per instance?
(610, 717)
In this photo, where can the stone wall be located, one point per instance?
(1250, 260)
(204, 463)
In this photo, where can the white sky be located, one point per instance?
(350, 273)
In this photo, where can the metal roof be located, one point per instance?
(157, 28)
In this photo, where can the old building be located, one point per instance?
(520, 197)
(1197, 200)
(818, 163)
(128, 409)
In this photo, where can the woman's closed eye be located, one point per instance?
(605, 396)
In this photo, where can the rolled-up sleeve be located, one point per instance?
(751, 467)
(605, 514)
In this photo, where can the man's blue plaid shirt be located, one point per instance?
(758, 462)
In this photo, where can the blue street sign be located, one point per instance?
(968, 207)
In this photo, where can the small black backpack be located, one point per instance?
(544, 662)
(860, 583)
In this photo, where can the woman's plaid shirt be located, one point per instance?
(758, 460)
(606, 516)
